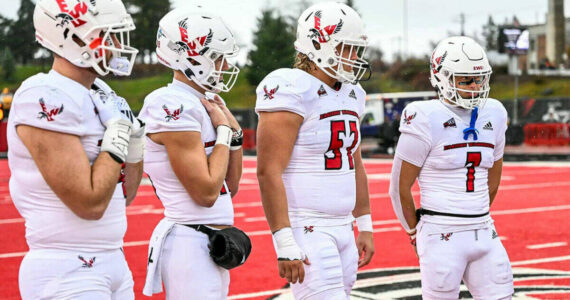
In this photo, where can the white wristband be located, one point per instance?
(285, 245)
(364, 223)
(224, 135)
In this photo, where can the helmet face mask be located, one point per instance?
(460, 72)
(332, 36)
(201, 53)
(84, 34)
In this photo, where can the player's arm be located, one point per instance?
(85, 189)
(202, 176)
(276, 135)
(494, 178)
(133, 176)
(233, 175)
(408, 175)
(365, 239)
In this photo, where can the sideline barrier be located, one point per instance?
(3, 136)
(549, 134)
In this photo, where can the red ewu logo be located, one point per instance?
(192, 47)
(269, 94)
(175, 115)
(477, 68)
(66, 16)
(323, 34)
(48, 113)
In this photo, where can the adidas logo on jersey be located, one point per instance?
(488, 126)
(322, 92)
(449, 123)
(352, 95)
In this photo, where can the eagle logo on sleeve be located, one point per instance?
(408, 119)
(269, 94)
(48, 113)
(172, 116)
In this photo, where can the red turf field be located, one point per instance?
(532, 214)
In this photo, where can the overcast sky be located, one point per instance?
(428, 20)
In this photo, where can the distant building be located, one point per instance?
(536, 57)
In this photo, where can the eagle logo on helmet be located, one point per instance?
(48, 114)
(71, 16)
(175, 115)
(188, 46)
(436, 63)
(269, 94)
(323, 34)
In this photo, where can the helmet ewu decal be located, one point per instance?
(48, 113)
(175, 115)
(269, 94)
(318, 33)
(191, 47)
(66, 16)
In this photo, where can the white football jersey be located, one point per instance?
(56, 103)
(453, 176)
(177, 107)
(320, 178)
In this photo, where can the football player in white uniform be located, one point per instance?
(69, 136)
(193, 154)
(454, 146)
(312, 180)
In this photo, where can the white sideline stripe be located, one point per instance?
(540, 260)
(547, 245)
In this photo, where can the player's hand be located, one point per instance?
(365, 245)
(290, 258)
(111, 108)
(215, 98)
(293, 270)
(215, 112)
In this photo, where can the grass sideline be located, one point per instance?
(243, 94)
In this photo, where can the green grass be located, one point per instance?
(243, 94)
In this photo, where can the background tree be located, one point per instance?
(21, 34)
(8, 66)
(490, 32)
(273, 46)
(146, 14)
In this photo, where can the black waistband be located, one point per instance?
(202, 228)
(423, 211)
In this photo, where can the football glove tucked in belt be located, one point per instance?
(229, 247)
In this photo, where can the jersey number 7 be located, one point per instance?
(335, 162)
(473, 160)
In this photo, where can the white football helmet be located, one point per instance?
(192, 41)
(82, 30)
(325, 32)
(460, 56)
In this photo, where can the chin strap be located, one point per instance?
(471, 129)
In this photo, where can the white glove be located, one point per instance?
(136, 143)
(286, 247)
(116, 139)
(110, 106)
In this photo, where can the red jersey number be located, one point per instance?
(338, 127)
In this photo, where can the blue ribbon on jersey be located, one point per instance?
(471, 129)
